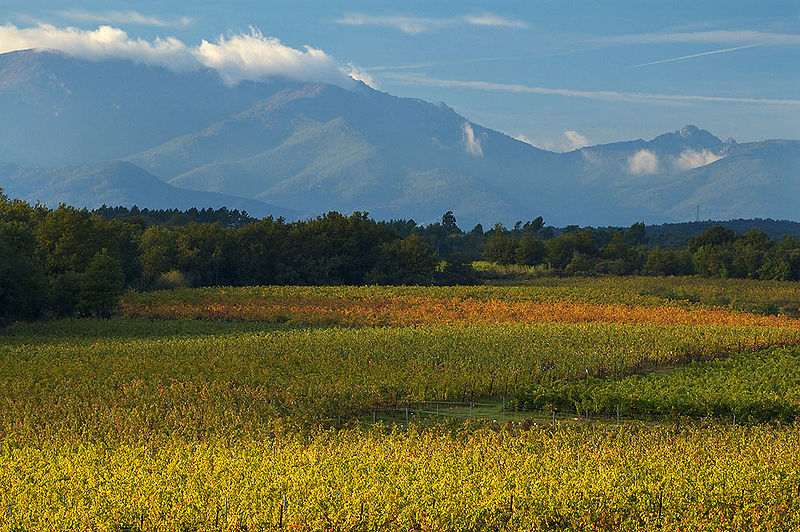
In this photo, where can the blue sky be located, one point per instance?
(558, 74)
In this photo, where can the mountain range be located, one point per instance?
(117, 132)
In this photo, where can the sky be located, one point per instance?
(557, 74)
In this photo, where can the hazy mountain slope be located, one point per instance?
(756, 178)
(60, 110)
(314, 147)
(321, 147)
(116, 183)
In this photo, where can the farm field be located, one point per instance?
(620, 299)
(249, 409)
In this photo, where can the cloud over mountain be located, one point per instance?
(237, 57)
(695, 158)
(643, 162)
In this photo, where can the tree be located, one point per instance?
(158, 252)
(449, 223)
(530, 250)
(101, 285)
(23, 285)
(404, 261)
(533, 226)
(457, 270)
(636, 235)
(500, 247)
(560, 250)
(69, 238)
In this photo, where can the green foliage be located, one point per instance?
(23, 285)
(138, 365)
(762, 385)
(457, 270)
(65, 293)
(563, 249)
(530, 251)
(500, 247)
(404, 261)
(170, 280)
(101, 285)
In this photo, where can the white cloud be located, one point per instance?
(471, 143)
(255, 57)
(105, 42)
(124, 17)
(695, 158)
(570, 140)
(237, 57)
(643, 162)
(575, 140)
(522, 138)
(359, 74)
(641, 97)
(489, 19)
(413, 25)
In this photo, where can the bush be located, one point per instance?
(171, 279)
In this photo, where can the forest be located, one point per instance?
(68, 261)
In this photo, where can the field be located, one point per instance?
(253, 409)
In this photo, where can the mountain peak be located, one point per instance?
(688, 130)
(688, 137)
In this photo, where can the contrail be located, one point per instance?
(605, 95)
(722, 51)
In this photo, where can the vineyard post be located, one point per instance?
(437, 409)
(283, 507)
(617, 414)
(373, 416)
(660, 502)
(470, 409)
(406, 415)
(554, 417)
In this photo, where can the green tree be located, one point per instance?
(530, 251)
(500, 247)
(408, 261)
(101, 285)
(449, 223)
(69, 239)
(23, 285)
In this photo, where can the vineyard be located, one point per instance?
(249, 409)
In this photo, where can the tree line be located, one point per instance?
(68, 261)
(716, 252)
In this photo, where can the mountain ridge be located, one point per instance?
(313, 147)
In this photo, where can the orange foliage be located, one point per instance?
(406, 311)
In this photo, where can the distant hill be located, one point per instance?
(311, 147)
(677, 234)
(116, 183)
